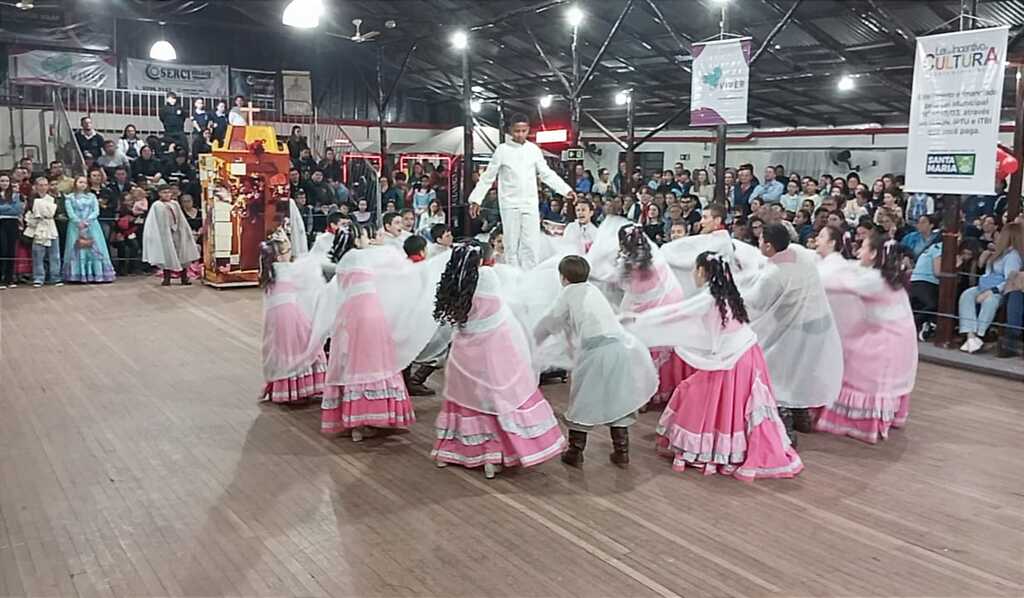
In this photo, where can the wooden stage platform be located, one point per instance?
(135, 461)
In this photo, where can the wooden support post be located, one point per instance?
(627, 182)
(467, 138)
(720, 141)
(1013, 197)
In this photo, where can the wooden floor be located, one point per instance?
(135, 461)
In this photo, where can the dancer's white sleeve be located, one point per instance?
(487, 178)
(549, 177)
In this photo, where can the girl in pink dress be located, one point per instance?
(289, 291)
(493, 414)
(648, 283)
(722, 418)
(879, 343)
(365, 390)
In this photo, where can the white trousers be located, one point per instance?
(521, 230)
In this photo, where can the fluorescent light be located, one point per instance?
(475, 106)
(622, 98)
(163, 50)
(845, 83)
(574, 15)
(303, 14)
(545, 101)
(460, 40)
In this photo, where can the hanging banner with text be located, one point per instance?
(76, 69)
(954, 112)
(258, 86)
(208, 81)
(720, 82)
(298, 93)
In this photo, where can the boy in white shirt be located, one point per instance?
(613, 375)
(582, 231)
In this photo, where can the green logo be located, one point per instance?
(714, 77)
(952, 164)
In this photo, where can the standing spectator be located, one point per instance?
(924, 289)
(124, 238)
(86, 258)
(11, 210)
(296, 143)
(111, 159)
(219, 121)
(618, 183)
(603, 185)
(332, 166)
(422, 195)
(41, 227)
(978, 304)
(390, 193)
(583, 182)
(771, 190)
(59, 181)
(236, 117)
(89, 140)
(173, 118)
(129, 144)
(201, 121)
(744, 189)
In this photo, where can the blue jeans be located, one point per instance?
(975, 318)
(42, 254)
(1014, 314)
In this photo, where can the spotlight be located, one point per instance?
(845, 83)
(475, 106)
(574, 15)
(303, 14)
(545, 101)
(163, 50)
(460, 40)
(622, 98)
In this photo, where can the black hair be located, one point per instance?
(634, 249)
(517, 117)
(722, 287)
(438, 230)
(344, 240)
(838, 239)
(389, 217)
(888, 259)
(716, 210)
(268, 256)
(458, 283)
(334, 218)
(574, 268)
(414, 245)
(776, 235)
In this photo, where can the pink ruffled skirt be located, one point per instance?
(671, 371)
(381, 404)
(864, 417)
(306, 385)
(727, 422)
(528, 436)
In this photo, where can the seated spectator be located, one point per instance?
(978, 304)
(677, 230)
(1010, 340)
(306, 163)
(296, 143)
(331, 166)
(147, 164)
(770, 190)
(421, 195)
(408, 220)
(130, 144)
(88, 139)
(927, 234)
(654, 229)
(919, 204)
(319, 192)
(179, 169)
(791, 199)
(989, 226)
(202, 143)
(112, 158)
(363, 215)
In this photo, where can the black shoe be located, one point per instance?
(802, 421)
(167, 279)
(417, 381)
(184, 279)
(620, 446)
(573, 455)
(1008, 349)
(786, 415)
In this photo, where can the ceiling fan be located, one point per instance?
(28, 5)
(362, 37)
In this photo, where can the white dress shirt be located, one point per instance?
(516, 167)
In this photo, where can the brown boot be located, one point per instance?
(415, 383)
(167, 278)
(573, 455)
(184, 278)
(620, 446)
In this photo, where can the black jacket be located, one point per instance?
(173, 118)
(93, 145)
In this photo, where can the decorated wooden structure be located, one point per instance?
(245, 197)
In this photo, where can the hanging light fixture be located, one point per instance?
(460, 39)
(545, 101)
(475, 105)
(303, 14)
(574, 15)
(845, 83)
(162, 49)
(622, 98)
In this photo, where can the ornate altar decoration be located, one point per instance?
(245, 199)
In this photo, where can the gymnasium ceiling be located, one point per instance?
(793, 80)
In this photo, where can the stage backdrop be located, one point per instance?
(208, 81)
(298, 92)
(259, 86)
(77, 69)
(720, 82)
(954, 112)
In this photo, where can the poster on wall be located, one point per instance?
(75, 69)
(298, 93)
(208, 81)
(258, 86)
(720, 82)
(954, 112)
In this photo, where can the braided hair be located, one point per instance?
(888, 259)
(344, 240)
(634, 250)
(458, 282)
(270, 251)
(722, 287)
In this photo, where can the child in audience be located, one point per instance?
(493, 414)
(613, 375)
(42, 228)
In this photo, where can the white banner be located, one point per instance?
(77, 69)
(720, 82)
(954, 112)
(187, 79)
(298, 93)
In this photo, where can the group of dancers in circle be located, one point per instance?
(739, 347)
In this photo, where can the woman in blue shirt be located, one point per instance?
(11, 209)
(978, 304)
